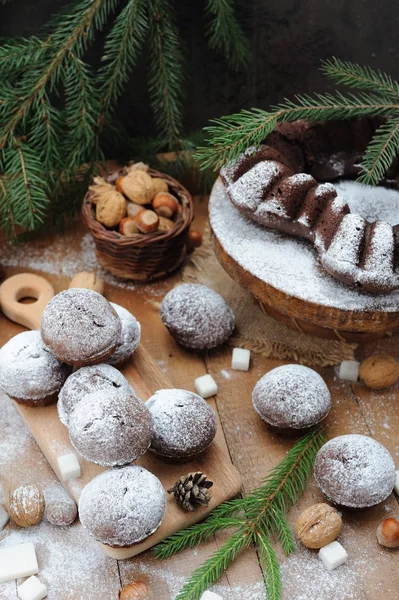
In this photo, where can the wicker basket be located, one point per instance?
(142, 257)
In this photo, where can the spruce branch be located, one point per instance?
(361, 78)
(255, 517)
(122, 47)
(381, 152)
(270, 566)
(166, 72)
(224, 33)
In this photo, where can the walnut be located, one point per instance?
(136, 186)
(379, 371)
(159, 185)
(111, 207)
(26, 505)
(318, 525)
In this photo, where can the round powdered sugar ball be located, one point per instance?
(122, 506)
(61, 510)
(197, 317)
(111, 427)
(88, 380)
(291, 397)
(355, 471)
(184, 423)
(29, 373)
(129, 338)
(80, 327)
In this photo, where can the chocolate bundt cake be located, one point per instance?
(281, 185)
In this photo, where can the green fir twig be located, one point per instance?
(255, 517)
(224, 32)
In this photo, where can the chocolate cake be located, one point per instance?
(281, 185)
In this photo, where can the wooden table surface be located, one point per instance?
(371, 572)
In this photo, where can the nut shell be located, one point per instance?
(159, 185)
(318, 525)
(147, 221)
(165, 205)
(165, 224)
(87, 280)
(137, 590)
(134, 209)
(61, 512)
(110, 208)
(388, 533)
(379, 371)
(128, 226)
(26, 506)
(137, 186)
(194, 238)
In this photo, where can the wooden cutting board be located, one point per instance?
(145, 377)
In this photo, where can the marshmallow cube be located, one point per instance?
(18, 561)
(333, 555)
(4, 518)
(206, 386)
(240, 359)
(349, 370)
(69, 466)
(210, 596)
(396, 488)
(32, 589)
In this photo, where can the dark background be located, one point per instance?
(287, 40)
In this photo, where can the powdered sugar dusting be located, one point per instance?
(123, 506)
(28, 371)
(292, 396)
(355, 470)
(130, 336)
(371, 202)
(249, 190)
(184, 423)
(197, 316)
(79, 326)
(87, 380)
(286, 263)
(111, 427)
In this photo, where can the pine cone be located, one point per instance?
(192, 489)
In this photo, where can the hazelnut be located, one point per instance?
(110, 207)
(147, 221)
(137, 186)
(379, 371)
(159, 185)
(165, 224)
(61, 511)
(137, 590)
(165, 205)
(26, 506)
(194, 238)
(128, 226)
(318, 525)
(388, 533)
(87, 280)
(134, 209)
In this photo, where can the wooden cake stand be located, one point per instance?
(284, 276)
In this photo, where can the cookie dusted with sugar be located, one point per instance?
(291, 397)
(111, 427)
(355, 471)
(129, 338)
(85, 381)
(184, 424)
(197, 317)
(80, 327)
(123, 506)
(29, 373)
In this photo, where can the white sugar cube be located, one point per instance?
(32, 589)
(333, 555)
(349, 370)
(4, 518)
(396, 488)
(206, 386)
(240, 359)
(18, 561)
(210, 596)
(69, 466)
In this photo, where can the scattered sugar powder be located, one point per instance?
(290, 264)
(225, 374)
(371, 202)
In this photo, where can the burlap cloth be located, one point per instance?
(255, 330)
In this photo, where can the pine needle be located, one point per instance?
(224, 33)
(380, 153)
(361, 78)
(255, 516)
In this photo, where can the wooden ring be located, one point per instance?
(23, 285)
